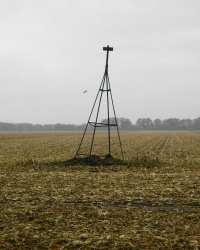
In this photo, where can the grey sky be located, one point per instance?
(52, 50)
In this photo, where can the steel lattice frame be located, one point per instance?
(105, 83)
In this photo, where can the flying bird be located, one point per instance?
(85, 92)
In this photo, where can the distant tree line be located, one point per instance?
(123, 123)
(38, 127)
(168, 124)
(157, 124)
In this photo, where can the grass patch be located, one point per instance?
(93, 160)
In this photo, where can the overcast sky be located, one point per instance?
(52, 50)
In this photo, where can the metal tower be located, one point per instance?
(104, 89)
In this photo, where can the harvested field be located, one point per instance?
(151, 204)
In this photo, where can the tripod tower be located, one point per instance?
(104, 89)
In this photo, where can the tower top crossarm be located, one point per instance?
(107, 49)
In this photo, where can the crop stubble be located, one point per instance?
(116, 207)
